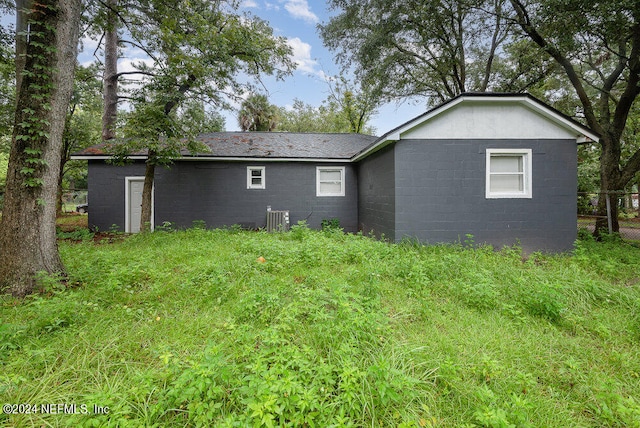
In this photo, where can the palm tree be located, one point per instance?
(256, 114)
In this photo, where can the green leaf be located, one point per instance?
(27, 171)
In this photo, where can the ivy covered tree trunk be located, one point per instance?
(27, 230)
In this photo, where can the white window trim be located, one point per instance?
(527, 174)
(263, 184)
(330, 168)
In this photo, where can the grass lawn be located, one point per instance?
(229, 328)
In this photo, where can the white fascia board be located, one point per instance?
(396, 135)
(372, 149)
(218, 158)
(583, 134)
(103, 157)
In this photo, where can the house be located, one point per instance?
(499, 167)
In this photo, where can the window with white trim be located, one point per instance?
(508, 173)
(255, 177)
(330, 181)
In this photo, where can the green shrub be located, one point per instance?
(545, 300)
(300, 230)
(82, 234)
(198, 224)
(330, 224)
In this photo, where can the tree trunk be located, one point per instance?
(22, 27)
(27, 230)
(59, 192)
(110, 79)
(147, 193)
(610, 185)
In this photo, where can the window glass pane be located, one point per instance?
(255, 177)
(330, 175)
(504, 183)
(330, 187)
(506, 163)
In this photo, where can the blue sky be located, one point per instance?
(297, 21)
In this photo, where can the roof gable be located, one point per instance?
(487, 116)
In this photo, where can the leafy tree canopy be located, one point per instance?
(347, 108)
(433, 48)
(303, 117)
(198, 50)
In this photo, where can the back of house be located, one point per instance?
(492, 168)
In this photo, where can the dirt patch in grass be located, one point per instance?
(69, 222)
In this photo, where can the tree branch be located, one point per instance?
(145, 73)
(605, 111)
(631, 168)
(632, 90)
(492, 50)
(525, 23)
(182, 89)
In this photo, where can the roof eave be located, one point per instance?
(222, 158)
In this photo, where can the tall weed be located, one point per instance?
(235, 328)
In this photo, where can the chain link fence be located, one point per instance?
(628, 204)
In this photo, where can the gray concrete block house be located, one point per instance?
(500, 167)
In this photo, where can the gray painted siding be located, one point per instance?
(106, 193)
(440, 195)
(217, 193)
(376, 189)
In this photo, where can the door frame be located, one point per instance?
(127, 202)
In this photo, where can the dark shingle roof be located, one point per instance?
(260, 145)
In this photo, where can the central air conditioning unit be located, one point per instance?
(277, 221)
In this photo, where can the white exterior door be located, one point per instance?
(133, 204)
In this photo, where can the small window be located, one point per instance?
(508, 173)
(255, 177)
(329, 181)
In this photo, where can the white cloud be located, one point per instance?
(89, 45)
(300, 9)
(127, 65)
(248, 4)
(302, 56)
